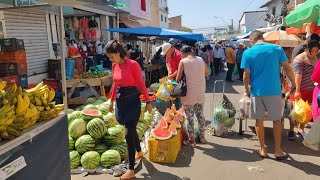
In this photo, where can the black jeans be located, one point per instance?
(217, 62)
(240, 71)
(128, 109)
(230, 71)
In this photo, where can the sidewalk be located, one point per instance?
(233, 157)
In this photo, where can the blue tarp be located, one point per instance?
(154, 31)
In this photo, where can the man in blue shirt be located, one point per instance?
(261, 64)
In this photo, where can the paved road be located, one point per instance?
(234, 156)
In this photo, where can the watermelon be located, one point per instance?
(173, 129)
(110, 140)
(104, 109)
(71, 143)
(90, 160)
(169, 113)
(161, 134)
(229, 122)
(176, 122)
(103, 98)
(77, 128)
(74, 115)
(121, 149)
(74, 159)
(90, 114)
(90, 107)
(115, 135)
(90, 101)
(109, 120)
(97, 128)
(162, 123)
(110, 158)
(101, 148)
(69, 111)
(84, 144)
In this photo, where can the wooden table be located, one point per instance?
(89, 83)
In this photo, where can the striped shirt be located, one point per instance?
(306, 69)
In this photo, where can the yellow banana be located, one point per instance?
(43, 100)
(40, 108)
(2, 85)
(38, 101)
(51, 95)
(5, 101)
(26, 100)
(22, 106)
(32, 90)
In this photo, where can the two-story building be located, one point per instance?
(159, 14)
(251, 20)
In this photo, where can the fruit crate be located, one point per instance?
(164, 151)
(13, 56)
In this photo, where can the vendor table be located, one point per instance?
(89, 83)
(44, 148)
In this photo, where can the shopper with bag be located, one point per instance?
(261, 64)
(127, 87)
(303, 67)
(192, 66)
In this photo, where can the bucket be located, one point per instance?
(70, 66)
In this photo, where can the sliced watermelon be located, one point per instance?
(170, 113)
(161, 134)
(163, 123)
(173, 129)
(176, 122)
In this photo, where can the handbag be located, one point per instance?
(180, 89)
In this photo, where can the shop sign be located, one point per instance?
(12, 168)
(20, 3)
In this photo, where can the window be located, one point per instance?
(274, 10)
(161, 17)
(165, 19)
(143, 5)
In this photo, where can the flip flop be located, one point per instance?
(280, 158)
(188, 144)
(259, 153)
(137, 158)
(130, 178)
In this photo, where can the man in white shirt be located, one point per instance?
(218, 57)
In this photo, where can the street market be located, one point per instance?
(93, 89)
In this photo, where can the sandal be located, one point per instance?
(187, 143)
(138, 157)
(130, 178)
(280, 158)
(259, 153)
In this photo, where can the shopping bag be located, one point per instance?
(244, 107)
(235, 70)
(163, 92)
(301, 112)
(312, 140)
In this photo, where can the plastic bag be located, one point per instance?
(221, 121)
(244, 107)
(227, 105)
(163, 92)
(312, 140)
(235, 70)
(301, 112)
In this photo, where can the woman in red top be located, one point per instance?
(127, 87)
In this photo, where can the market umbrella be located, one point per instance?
(282, 38)
(314, 29)
(307, 12)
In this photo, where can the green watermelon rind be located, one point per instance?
(75, 159)
(71, 143)
(110, 158)
(84, 144)
(101, 148)
(121, 149)
(96, 128)
(90, 160)
(77, 128)
(90, 101)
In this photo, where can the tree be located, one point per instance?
(186, 29)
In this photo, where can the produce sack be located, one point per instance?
(312, 140)
(235, 70)
(301, 112)
(221, 120)
(227, 105)
(244, 107)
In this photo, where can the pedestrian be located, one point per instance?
(126, 89)
(241, 49)
(211, 53)
(173, 58)
(316, 92)
(301, 48)
(218, 55)
(261, 64)
(303, 66)
(195, 71)
(231, 62)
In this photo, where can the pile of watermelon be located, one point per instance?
(95, 137)
(169, 123)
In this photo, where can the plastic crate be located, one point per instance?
(11, 44)
(8, 69)
(14, 56)
(53, 83)
(164, 151)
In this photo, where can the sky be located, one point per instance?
(201, 13)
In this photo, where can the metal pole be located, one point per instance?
(118, 25)
(63, 65)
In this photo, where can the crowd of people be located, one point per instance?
(263, 68)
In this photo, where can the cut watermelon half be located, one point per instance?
(161, 134)
(163, 124)
(173, 129)
(176, 122)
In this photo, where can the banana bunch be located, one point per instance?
(52, 113)
(10, 95)
(42, 97)
(7, 115)
(31, 117)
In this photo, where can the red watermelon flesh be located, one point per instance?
(163, 124)
(176, 122)
(173, 129)
(161, 134)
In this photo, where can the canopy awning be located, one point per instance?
(154, 31)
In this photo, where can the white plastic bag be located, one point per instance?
(244, 107)
(312, 140)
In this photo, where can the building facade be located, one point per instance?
(175, 23)
(159, 14)
(251, 20)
